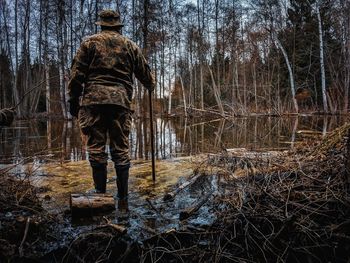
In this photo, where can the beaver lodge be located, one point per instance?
(290, 206)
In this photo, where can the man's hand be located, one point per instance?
(74, 107)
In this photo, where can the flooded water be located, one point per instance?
(61, 141)
(54, 153)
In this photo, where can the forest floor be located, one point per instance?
(291, 206)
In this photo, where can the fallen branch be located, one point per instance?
(188, 212)
(20, 248)
(171, 195)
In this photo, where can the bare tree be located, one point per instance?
(322, 67)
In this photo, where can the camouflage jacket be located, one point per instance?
(103, 68)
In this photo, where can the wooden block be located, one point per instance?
(83, 205)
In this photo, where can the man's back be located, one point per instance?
(107, 61)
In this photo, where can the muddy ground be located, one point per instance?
(291, 206)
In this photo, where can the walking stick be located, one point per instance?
(152, 136)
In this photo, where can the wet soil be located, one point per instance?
(149, 213)
(51, 185)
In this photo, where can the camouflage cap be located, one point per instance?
(109, 18)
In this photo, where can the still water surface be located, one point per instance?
(61, 141)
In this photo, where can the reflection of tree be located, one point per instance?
(186, 136)
(64, 141)
(173, 137)
(295, 127)
(218, 134)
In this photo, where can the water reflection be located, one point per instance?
(60, 140)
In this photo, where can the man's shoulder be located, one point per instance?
(128, 42)
(93, 37)
(125, 39)
(103, 35)
(106, 35)
(131, 43)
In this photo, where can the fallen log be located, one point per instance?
(188, 212)
(171, 195)
(82, 205)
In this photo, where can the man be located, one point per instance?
(100, 90)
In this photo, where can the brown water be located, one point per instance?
(54, 153)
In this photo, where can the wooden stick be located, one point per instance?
(188, 212)
(171, 195)
(119, 228)
(20, 248)
(152, 136)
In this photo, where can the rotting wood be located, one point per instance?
(171, 195)
(82, 205)
(188, 212)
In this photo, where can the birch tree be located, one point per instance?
(322, 66)
(290, 70)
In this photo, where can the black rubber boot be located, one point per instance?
(122, 195)
(122, 181)
(99, 174)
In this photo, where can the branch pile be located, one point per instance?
(24, 224)
(291, 207)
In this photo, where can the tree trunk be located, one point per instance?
(202, 88)
(346, 54)
(15, 88)
(323, 75)
(61, 55)
(183, 96)
(217, 94)
(46, 61)
(255, 87)
(15, 91)
(290, 71)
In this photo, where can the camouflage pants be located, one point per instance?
(99, 121)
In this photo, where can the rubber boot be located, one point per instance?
(122, 181)
(99, 174)
(122, 195)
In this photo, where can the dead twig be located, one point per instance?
(20, 248)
